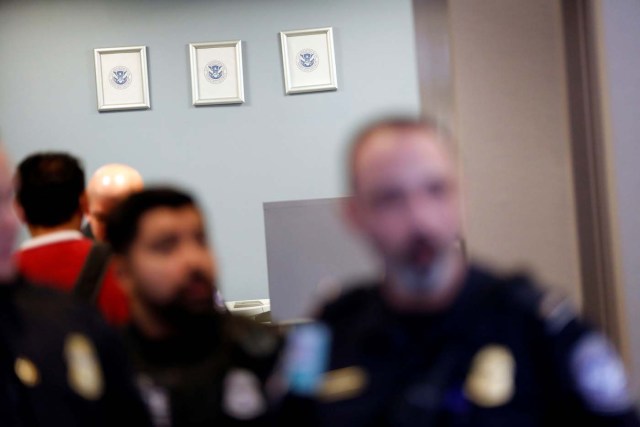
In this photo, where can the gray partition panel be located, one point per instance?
(308, 249)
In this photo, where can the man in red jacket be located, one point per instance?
(51, 200)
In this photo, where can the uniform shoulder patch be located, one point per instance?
(552, 307)
(599, 375)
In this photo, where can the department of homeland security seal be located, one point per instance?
(120, 77)
(215, 72)
(307, 60)
(599, 375)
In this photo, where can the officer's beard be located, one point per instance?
(191, 304)
(416, 276)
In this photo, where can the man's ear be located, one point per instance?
(19, 211)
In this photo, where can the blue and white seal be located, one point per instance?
(599, 375)
(215, 72)
(120, 77)
(307, 60)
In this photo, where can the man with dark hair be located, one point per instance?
(436, 341)
(196, 365)
(51, 200)
(60, 365)
(50, 190)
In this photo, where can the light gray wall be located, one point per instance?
(513, 137)
(273, 147)
(619, 56)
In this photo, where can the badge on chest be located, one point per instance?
(491, 379)
(84, 372)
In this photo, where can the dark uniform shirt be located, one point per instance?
(505, 354)
(214, 374)
(60, 365)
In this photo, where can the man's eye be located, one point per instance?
(437, 189)
(164, 246)
(387, 199)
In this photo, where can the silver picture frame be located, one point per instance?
(308, 60)
(122, 79)
(216, 73)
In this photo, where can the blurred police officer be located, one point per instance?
(60, 365)
(196, 365)
(437, 342)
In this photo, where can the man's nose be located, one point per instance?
(422, 216)
(195, 255)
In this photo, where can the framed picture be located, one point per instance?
(216, 73)
(122, 81)
(308, 60)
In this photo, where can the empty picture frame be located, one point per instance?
(308, 60)
(122, 81)
(216, 73)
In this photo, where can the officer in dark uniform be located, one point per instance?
(60, 365)
(196, 364)
(437, 342)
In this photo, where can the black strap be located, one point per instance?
(89, 282)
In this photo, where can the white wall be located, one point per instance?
(513, 131)
(618, 35)
(273, 147)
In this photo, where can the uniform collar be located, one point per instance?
(194, 343)
(50, 238)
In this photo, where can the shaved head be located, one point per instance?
(386, 133)
(108, 186)
(115, 180)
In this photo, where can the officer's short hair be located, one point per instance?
(123, 222)
(398, 123)
(48, 188)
